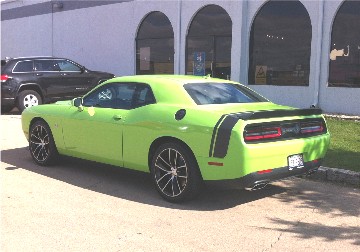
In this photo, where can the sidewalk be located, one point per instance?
(337, 175)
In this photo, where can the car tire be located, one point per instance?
(28, 98)
(175, 173)
(41, 144)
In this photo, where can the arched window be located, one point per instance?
(155, 45)
(280, 45)
(208, 43)
(344, 68)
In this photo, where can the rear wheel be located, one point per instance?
(28, 98)
(41, 144)
(175, 173)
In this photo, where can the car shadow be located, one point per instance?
(132, 185)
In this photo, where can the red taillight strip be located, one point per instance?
(262, 133)
(264, 171)
(215, 163)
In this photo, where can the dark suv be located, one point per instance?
(31, 81)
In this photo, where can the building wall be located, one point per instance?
(103, 38)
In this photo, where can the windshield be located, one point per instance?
(221, 93)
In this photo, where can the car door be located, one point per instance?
(95, 131)
(48, 76)
(77, 81)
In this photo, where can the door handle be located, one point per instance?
(64, 74)
(117, 117)
(39, 74)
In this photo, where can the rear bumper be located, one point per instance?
(264, 177)
(8, 102)
(8, 95)
(270, 175)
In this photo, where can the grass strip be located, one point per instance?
(344, 150)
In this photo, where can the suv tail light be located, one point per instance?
(4, 77)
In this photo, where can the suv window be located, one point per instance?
(120, 96)
(23, 66)
(46, 66)
(68, 66)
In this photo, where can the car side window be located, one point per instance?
(143, 96)
(68, 66)
(23, 66)
(120, 96)
(46, 66)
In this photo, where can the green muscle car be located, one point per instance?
(183, 130)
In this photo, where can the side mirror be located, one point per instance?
(82, 69)
(77, 102)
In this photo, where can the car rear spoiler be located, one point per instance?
(262, 114)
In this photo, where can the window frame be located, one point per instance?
(20, 61)
(133, 96)
(140, 38)
(280, 75)
(343, 67)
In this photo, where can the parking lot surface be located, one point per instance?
(85, 206)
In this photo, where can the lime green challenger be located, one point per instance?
(183, 130)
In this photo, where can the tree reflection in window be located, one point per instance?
(280, 45)
(344, 69)
(155, 45)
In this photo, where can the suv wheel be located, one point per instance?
(28, 98)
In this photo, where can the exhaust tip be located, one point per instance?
(258, 186)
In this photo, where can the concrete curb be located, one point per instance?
(337, 175)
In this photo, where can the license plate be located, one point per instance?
(295, 161)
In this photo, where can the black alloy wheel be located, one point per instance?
(41, 144)
(175, 173)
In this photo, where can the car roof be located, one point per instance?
(171, 79)
(31, 58)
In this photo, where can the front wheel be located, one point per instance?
(41, 144)
(28, 98)
(175, 173)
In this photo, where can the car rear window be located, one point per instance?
(221, 93)
(23, 66)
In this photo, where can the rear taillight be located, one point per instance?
(4, 77)
(311, 127)
(272, 131)
(262, 133)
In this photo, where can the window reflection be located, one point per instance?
(344, 69)
(155, 45)
(280, 45)
(208, 43)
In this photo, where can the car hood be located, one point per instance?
(110, 75)
(67, 102)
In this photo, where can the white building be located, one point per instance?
(300, 53)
